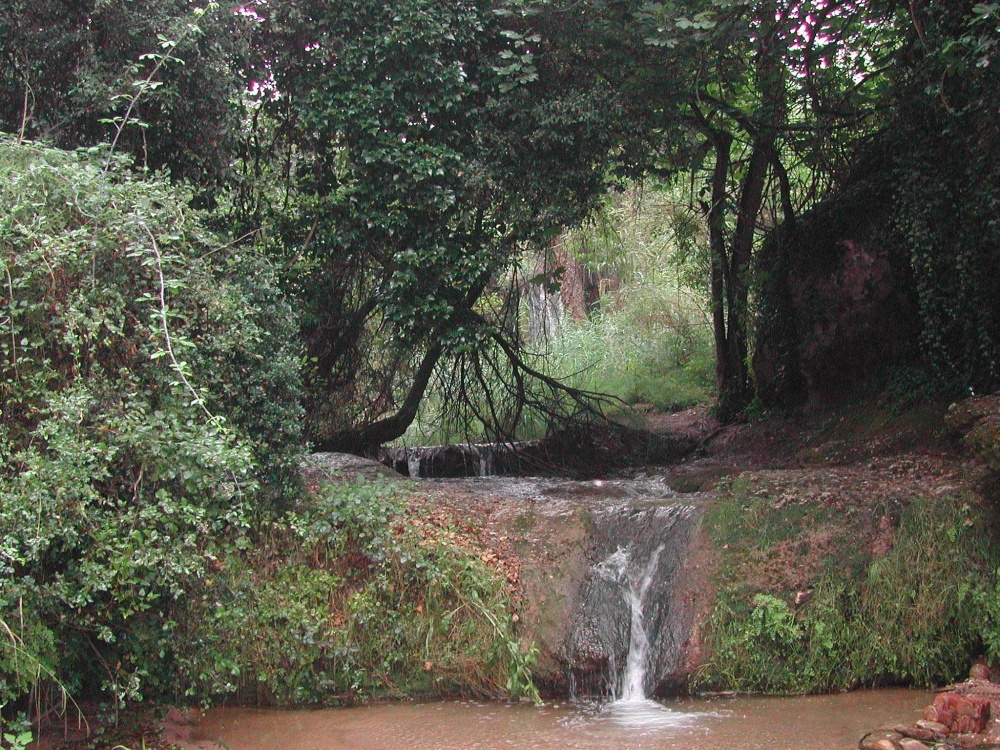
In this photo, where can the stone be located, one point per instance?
(939, 715)
(980, 671)
(920, 732)
(964, 714)
(884, 745)
(964, 415)
(933, 726)
(908, 743)
(320, 467)
(968, 725)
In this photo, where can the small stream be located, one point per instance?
(617, 639)
(832, 722)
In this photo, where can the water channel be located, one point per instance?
(832, 722)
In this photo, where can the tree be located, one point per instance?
(763, 101)
(69, 72)
(396, 169)
(942, 139)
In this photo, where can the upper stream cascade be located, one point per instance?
(458, 460)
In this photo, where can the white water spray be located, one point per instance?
(630, 684)
(633, 681)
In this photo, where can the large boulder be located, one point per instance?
(834, 301)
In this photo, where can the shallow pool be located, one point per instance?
(833, 722)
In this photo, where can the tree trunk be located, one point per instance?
(571, 289)
(361, 440)
(735, 388)
(716, 217)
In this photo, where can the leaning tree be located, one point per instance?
(397, 165)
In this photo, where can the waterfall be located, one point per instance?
(484, 453)
(626, 638)
(633, 682)
(633, 585)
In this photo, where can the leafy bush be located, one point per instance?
(355, 594)
(149, 392)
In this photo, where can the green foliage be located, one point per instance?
(69, 74)
(647, 340)
(649, 343)
(914, 615)
(134, 352)
(353, 596)
(18, 741)
(945, 192)
(650, 339)
(397, 179)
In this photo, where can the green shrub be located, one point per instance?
(913, 616)
(354, 595)
(149, 393)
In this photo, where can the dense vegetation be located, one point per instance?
(150, 502)
(231, 229)
(150, 403)
(919, 613)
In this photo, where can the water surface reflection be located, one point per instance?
(833, 722)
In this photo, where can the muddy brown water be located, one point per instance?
(832, 722)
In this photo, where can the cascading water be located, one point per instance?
(629, 683)
(627, 634)
(633, 682)
(458, 460)
(606, 576)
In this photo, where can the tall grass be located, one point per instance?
(648, 341)
(914, 614)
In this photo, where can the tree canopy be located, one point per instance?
(234, 230)
(395, 159)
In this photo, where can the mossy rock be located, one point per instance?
(978, 419)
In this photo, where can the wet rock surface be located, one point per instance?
(963, 715)
(637, 555)
(580, 452)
